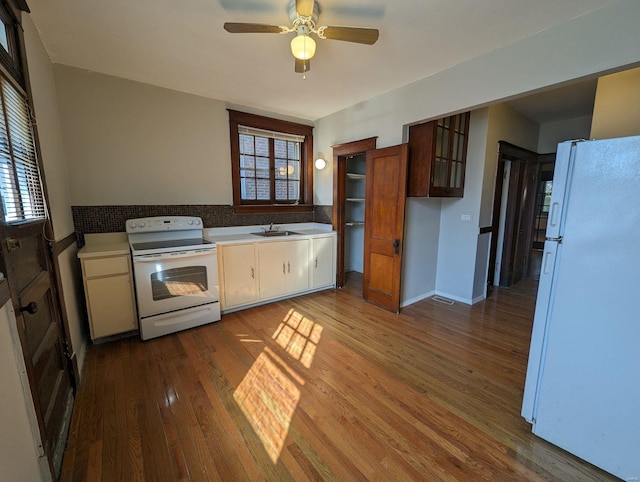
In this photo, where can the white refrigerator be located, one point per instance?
(582, 390)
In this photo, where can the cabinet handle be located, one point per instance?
(288, 267)
(315, 262)
(283, 271)
(253, 275)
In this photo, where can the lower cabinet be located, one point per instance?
(322, 264)
(256, 272)
(283, 267)
(109, 293)
(238, 276)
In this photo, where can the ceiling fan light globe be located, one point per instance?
(303, 47)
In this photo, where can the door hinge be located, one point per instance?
(12, 244)
(66, 348)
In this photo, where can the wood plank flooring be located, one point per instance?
(321, 387)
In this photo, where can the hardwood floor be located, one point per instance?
(321, 387)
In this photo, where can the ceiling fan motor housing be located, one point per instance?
(293, 13)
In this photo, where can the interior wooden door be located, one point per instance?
(384, 225)
(27, 263)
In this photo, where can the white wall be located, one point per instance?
(597, 42)
(132, 143)
(458, 238)
(19, 461)
(49, 131)
(420, 261)
(616, 112)
(552, 133)
(54, 159)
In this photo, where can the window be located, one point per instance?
(20, 186)
(9, 53)
(271, 164)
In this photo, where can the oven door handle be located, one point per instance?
(152, 258)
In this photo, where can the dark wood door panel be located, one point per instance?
(27, 268)
(26, 257)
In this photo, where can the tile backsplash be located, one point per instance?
(111, 219)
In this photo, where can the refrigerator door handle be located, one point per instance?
(555, 240)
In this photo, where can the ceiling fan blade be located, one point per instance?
(234, 27)
(367, 36)
(303, 66)
(304, 7)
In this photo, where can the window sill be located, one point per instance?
(273, 208)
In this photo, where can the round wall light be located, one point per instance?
(320, 164)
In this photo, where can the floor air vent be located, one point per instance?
(445, 301)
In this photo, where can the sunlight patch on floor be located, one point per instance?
(299, 336)
(268, 399)
(269, 392)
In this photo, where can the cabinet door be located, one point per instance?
(283, 267)
(273, 269)
(238, 275)
(297, 265)
(322, 264)
(111, 307)
(437, 157)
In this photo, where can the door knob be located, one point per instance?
(31, 308)
(396, 246)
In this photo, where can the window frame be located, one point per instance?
(14, 73)
(237, 119)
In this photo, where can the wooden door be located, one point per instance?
(28, 264)
(384, 225)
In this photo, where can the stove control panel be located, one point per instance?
(163, 223)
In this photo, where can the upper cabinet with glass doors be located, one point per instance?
(438, 157)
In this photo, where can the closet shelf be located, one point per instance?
(355, 199)
(352, 175)
(354, 223)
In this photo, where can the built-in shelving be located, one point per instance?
(356, 177)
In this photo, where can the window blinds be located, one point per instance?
(252, 131)
(20, 185)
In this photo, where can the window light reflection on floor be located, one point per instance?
(269, 392)
(299, 336)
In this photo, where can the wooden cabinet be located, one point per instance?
(437, 157)
(322, 265)
(283, 267)
(238, 276)
(109, 294)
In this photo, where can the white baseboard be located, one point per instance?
(417, 298)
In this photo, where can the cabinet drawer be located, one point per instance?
(105, 266)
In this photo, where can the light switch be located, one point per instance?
(465, 218)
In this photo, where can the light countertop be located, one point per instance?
(107, 244)
(239, 234)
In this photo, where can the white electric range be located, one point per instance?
(175, 272)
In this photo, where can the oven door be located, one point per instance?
(174, 281)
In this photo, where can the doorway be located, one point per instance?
(349, 185)
(523, 192)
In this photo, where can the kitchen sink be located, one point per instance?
(275, 233)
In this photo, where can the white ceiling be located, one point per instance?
(181, 45)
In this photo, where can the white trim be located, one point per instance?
(415, 299)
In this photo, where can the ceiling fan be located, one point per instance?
(303, 15)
